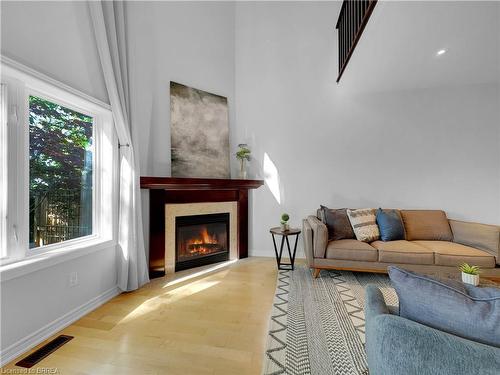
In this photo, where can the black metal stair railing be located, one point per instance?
(353, 18)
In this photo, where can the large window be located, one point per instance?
(59, 177)
(60, 173)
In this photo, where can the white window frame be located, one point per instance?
(96, 181)
(3, 171)
(22, 82)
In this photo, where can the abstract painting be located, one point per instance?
(199, 133)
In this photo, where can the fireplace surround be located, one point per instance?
(170, 197)
(202, 213)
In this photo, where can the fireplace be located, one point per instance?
(201, 240)
(172, 197)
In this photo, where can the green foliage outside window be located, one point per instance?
(60, 172)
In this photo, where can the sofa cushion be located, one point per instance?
(338, 224)
(364, 224)
(454, 254)
(463, 310)
(402, 251)
(429, 225)
(351, 250)
(390, 225)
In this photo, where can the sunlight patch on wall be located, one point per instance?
(271, 177)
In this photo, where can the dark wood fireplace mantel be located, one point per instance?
(165, 190)
(177, 183)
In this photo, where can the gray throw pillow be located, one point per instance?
(337, 223)
(450, 306)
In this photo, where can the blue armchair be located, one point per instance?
(396, 346)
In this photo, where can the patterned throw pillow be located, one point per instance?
(364, 224)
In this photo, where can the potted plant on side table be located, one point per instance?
(470, 274)
(284, 222)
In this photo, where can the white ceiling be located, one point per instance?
(397, 50)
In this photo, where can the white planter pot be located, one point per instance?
(284, 227)
(470, 279)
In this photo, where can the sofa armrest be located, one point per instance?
(395, 346)
(307, 235)
(481, 236)
(318, 240)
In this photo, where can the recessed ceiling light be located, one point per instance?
(441, 52)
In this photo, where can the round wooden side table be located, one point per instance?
(284, 238)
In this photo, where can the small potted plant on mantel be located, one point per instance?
(284, 222)
(470, 274)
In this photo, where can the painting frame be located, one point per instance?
(199, 133)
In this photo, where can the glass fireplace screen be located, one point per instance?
(201, 235)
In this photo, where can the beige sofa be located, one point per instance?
(477, 244)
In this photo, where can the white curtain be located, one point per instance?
(108, 20)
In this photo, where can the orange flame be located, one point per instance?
(204, 238)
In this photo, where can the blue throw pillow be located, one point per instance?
(450, 306)
(390, 225)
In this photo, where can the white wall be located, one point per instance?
(56, 39)
(31, 302)
(186, 42)
(342, 146)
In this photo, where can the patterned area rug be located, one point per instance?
(317, 325)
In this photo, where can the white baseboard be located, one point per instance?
(33, 339)
(270, 253)
(261, 253)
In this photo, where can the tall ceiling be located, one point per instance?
(398, 49)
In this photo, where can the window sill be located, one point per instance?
(50, 258)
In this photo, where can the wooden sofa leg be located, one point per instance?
(316, 272)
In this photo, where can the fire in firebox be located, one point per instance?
(204, 244)
(201, 239)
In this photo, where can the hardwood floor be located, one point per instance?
(212, 323)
